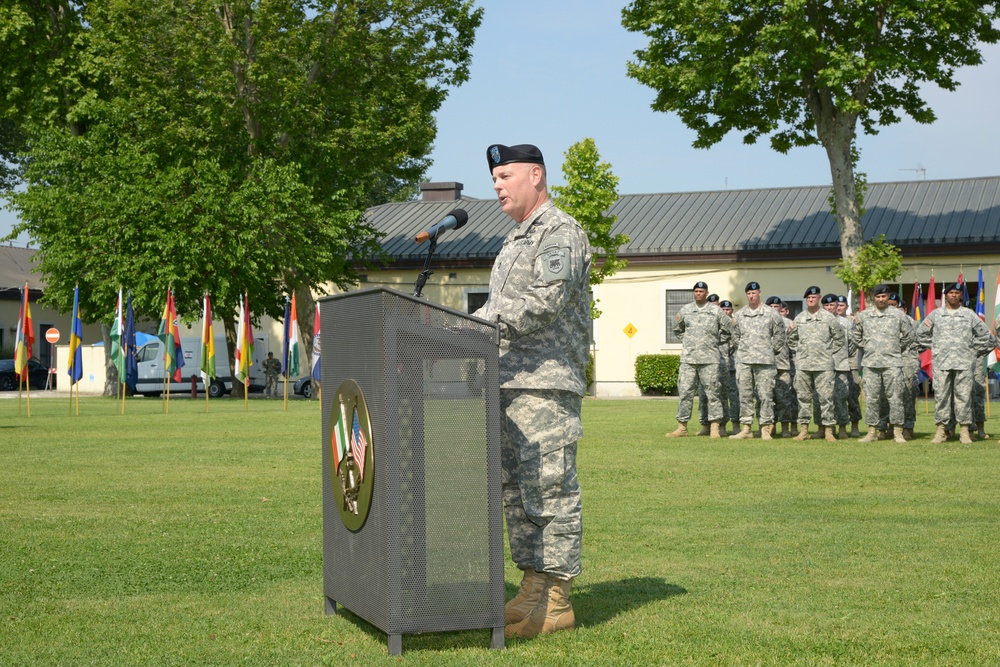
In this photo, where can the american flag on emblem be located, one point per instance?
(359, 445)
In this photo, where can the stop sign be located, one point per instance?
(52, 335)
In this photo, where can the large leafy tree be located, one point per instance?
(806, 71)
(229, 147)
(591, 189)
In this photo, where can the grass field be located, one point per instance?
(196, 539)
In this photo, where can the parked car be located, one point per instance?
(38, 373)
(304, 387)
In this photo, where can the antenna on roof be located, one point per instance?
(919, 170)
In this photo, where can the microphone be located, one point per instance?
(454, 220)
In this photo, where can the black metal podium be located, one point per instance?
(412, 521)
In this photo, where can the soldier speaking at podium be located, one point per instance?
(540, 298)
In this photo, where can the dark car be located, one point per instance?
(38, 373)
(304, 387)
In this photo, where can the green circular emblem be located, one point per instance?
(352, 468)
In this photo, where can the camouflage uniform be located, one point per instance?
(727, 393)
(759, 334)
(843, 376)
(540, 297)
(815, 338)
(957, 338)
(911, 368)
(704, 331)
(785, 401)
(272, 369)
(883, 335)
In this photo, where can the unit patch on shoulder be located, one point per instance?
(555, 264)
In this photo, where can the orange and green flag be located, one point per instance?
(24, 341)
(173, 355)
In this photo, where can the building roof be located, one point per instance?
(16, 268)
(932, 217)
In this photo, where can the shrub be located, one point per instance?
(590, 372)
(657, 373)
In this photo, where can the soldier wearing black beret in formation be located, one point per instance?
(854, 386)
(759, 334)
(785, 403)
(816, 337)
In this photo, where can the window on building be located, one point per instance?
(475, 298)
(675, 300)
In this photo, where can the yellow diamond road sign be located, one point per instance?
(630, 330)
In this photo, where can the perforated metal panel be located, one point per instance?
(429, 556)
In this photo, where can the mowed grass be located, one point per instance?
(196, 539)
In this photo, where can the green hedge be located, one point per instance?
(657, 373)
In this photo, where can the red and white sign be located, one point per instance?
(52, 335)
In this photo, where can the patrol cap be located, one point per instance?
(498, 154)
(812, 290)
(954, 287)
(752, 285)
(893, 296)
(700, 285)
(841, 298)
(881, 288)
(725, 303)
(773, 301)
(829, 298)
(713, 298)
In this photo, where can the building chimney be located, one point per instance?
(445, 191)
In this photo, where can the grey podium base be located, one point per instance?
(395, 642)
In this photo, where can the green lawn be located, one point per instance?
(194, 538)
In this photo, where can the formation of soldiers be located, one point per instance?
(757, 362)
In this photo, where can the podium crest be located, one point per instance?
(352, 470)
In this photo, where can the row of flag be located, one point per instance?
(123, 345)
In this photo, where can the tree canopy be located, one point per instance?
(806, 71)
(229, 147)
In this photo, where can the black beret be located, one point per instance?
(893, 296)
(902, 304)
(954, 287)
(752, 285)
(812, 290)
(498, 154)
(700, 285)
(773, 301)
(881, 289)
(725, 303)
(829, 298)
(841, 298)
(713, 298)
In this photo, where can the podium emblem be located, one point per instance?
(352, 469)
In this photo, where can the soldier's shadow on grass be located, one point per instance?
(598, 603)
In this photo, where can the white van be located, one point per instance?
(150, 358)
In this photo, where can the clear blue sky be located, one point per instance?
(551, 72)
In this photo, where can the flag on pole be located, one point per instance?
(244, 342)
(339, 442)
(316, 373)
(862, 306)
(290, 349)
(285, 328)
(173, 355)
(129, 350)
(117, 331)
(24, 340)
(917, 313)
(925, 356)
(850, 306)
(993, 361)
(965, 289)
(75, 370)
(981, 297)
(207, 344)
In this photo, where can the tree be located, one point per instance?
(805, 72)
(230, 147)
(591, 189)
(877, 262)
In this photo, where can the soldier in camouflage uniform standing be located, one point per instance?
(815, 337)
(957, 338)
(841, 368)
(759, 335)
(540, 297)
(728, 372)
(911, 367)
(706, 427)
(785, 404)
(854, 381)
(883, 333)
(704, 330)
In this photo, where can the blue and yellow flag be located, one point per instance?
(75, 370)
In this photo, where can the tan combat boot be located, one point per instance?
(842, 432)
(964, 436)
(872, 435)
(897, 435)
(552, 613)
(713, 431)
(940, 436)
(767, 432)
(680, 432)
(803, 433)
(830, 435)
(705, 430)
(854, 430)
(743, 433)
(526, 599)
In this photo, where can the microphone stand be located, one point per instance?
(426, 273)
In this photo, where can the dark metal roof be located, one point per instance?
(916, 215)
